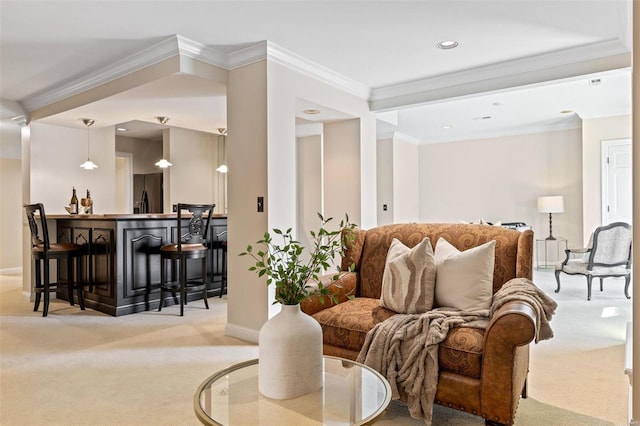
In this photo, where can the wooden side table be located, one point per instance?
(552, 252)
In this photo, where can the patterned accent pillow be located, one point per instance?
(409, 278)
(464, 279)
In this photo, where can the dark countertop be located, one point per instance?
(122, 216)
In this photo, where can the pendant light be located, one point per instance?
(163, 163)
(88, 165)
(221, 157)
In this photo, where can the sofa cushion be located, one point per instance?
(461, 351)
(346, 324)
(409, 278)
(464, 279)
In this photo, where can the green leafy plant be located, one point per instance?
(281, 260)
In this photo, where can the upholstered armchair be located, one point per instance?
(608, 255)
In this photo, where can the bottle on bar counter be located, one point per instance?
(73, 204)
(89, 208)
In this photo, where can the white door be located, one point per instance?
(616, 181)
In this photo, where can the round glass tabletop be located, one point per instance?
(352, 394)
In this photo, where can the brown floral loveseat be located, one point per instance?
(482, 372)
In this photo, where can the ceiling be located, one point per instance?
(519, 62)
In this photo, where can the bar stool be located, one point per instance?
(42, 251)
(221, 245)
(192, 244)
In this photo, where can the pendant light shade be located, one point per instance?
(88, 165)
(163, 164)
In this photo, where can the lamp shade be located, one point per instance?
(551, 204)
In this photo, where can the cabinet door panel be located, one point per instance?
(142, 260)
(103, 262)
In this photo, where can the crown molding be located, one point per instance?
(247, 55)
(520, 131)
(537, 69)
(201, 52)
(405, 138)
(271, 51)
(182, 46)
(165, 49)
(314, 70)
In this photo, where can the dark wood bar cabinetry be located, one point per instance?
(121, 261)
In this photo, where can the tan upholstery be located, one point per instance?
(481, 371)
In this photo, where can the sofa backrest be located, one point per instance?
(367, 250)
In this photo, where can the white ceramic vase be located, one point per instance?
(290, 355)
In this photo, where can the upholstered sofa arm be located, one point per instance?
(505, 359)
(342, 288)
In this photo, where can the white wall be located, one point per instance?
(406, 180)
(341, 164)
(594, 131)
(11, 213)
(309, 178)
(194, 158)
(384, 177)
(55, 156)
(247, 297)
(499, 179)
(145, 153)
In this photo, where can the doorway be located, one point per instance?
(616, 181)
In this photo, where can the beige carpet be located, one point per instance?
(86, 368)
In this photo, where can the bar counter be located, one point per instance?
(121, 262)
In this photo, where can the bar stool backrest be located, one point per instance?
(38, 239)
(198, 227)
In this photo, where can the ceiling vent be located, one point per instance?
(595, 82)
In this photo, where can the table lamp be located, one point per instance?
(551, 204)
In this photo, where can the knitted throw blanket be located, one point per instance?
(404, 348)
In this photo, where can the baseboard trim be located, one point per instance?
(242, 333)
(11, 271)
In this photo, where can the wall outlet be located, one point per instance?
(260, 204)
(384, 207)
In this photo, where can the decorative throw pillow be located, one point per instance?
(409, 278)
(464, 280)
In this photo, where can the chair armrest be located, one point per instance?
(569, 252)
(505, 360)
(578, 250)
(341, 288)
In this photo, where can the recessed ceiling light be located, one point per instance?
(447, 126)
(311, 111)
(566, 111)
(121, 129)
(484, 117)
(447, 44)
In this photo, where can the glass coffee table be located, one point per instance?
(352, 394)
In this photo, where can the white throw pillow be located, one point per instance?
(464, 279)
(409, 278)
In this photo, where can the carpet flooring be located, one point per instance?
(87, 368)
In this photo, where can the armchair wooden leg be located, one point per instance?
(601, 280)
(524, 389)
(589, 279)
(558, 281)
(627, 280)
